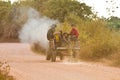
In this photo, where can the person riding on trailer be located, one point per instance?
(65, 38)
(74, 33)
(50, 33)
(57, 39)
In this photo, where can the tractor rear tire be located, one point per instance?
(54, 54)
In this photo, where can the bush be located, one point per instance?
(115, 59)
(10, 31)
(4, 71)
(37, 48)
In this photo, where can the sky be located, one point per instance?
(12, 1)
(100, 6)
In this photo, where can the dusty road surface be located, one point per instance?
(25, 65)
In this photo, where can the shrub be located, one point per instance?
(4, 71)
(115, 60)
(10, 31)
(37, 48)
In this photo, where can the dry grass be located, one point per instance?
(4, 71)
(114, 59)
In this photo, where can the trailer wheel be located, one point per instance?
(48, 55)
(61, 56)
(75, 54)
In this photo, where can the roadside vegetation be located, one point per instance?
(99, 37)
(4, 71)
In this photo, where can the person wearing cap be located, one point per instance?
(73, 40)
(50, 33)
(50, 37)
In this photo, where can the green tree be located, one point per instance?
(60, 9)
(114, 22)
(36, 4)
(5, 8)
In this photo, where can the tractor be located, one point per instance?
(58, 47)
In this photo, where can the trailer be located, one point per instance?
(55, 49)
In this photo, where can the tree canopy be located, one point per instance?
(114, 22)
(60, 9)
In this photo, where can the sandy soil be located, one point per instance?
(25, 65)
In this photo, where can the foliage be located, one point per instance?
(8, 28)
(60, 9)
(114, 60)
(4, 10)
(100, 41)
(12, 17)
(4, 71)
(114, 22)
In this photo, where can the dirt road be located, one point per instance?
(25, 65)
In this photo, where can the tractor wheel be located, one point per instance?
(54, 54)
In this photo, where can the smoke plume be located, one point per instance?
(35, 29)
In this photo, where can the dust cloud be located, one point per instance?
(35, 29)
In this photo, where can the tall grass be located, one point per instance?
(97, 41)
